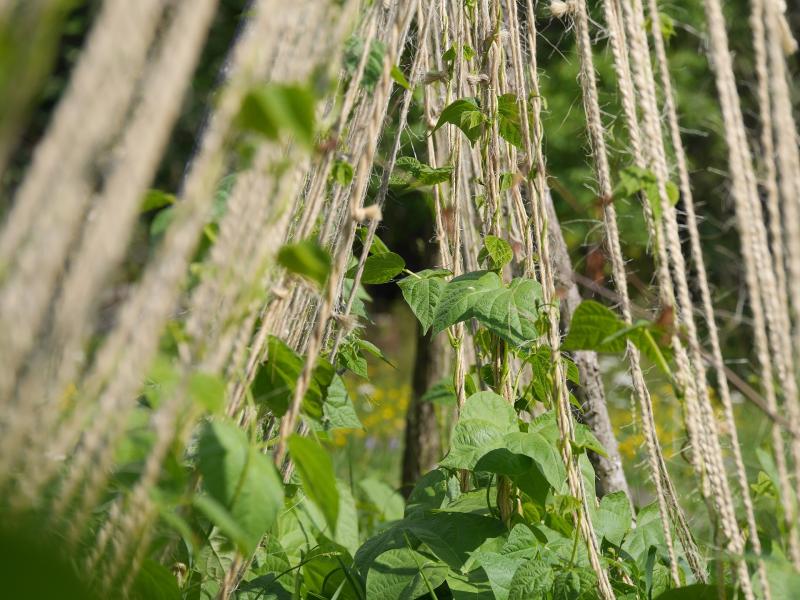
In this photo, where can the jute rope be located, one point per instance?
(668, 504)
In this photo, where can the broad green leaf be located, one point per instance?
(273, 108)
(500, 570)
(454, 536)
(240, 478)
(389, 504)
(613, 517)
(596, 327)
(508, 120)
(443, 392)
(208, 390)
(473, 586)
(422, 174)
(154, 582)
(275, 381)
(399, 78)
(633, 180)
(506, 181)
(460, 295)
(404, 574)
(380, 268)
(422, 292)
(265, 587)
(154, 199)
(346, 534)
(338, 410)
(586, 440)
(354, 49)
(647, 533)
(350, 358)
(431, 492)
(316, 472)
(702, 591)
(367, 346)
(497, 251)
(542, 451)
(342, 172)
(574, 584)
(306, 258)
(377, 247)
(485, 419)
(534, 579)
(323, 571)
(466, 115)
(222, 520)
(511, 312)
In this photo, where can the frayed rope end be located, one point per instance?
(559, 8)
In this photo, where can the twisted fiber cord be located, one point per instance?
(789, 167)
(788, 164)
(456, 144)
(37, 234)
(256, 219)
(489, 25)
(370, 134)
(666, 293)
(105, 240)
(458, 185)
(769, 180)
(248, 301)
(705, 293)
(618, 40)
(778, 321)
(665, 495)
(383, 189)
(397, 33)
(107, 224)
(432, 59)
(250, 211)
(303, 305)
(619, 43)
(749, 218)
(240, 564)
(490, 32)
(595, 411)
(319, 179)
(538, 211)
(130, 346)
(706, 425)
(272, 314)
(372, 118)
(129, 514)
(101, 83)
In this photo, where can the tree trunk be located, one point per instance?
(422, 447)
(591, 393)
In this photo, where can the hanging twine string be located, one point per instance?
(706, 426)
(372, 214)
(371, 135)
(705, 293)
(788, 159)
(758, 272)
(38, 232)
(308, 212)
(537, 203)
(128, 349)
(665, 495)
(103, 244)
